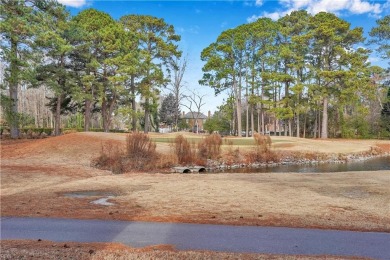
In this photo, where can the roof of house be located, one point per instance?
(194, 115)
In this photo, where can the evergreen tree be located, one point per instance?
(54, 73)
(156, 42)
(96, 37)
(168, 110)
(21, 22)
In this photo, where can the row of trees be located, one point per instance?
(90, 62)
(303, 71)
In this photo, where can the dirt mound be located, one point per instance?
(71, 147)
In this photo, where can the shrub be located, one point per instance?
(232, 155)
(210, 147)
(110, 158)
(139, 145)
(139, 155)
(262, 142)
(183, 151)
(262, 151)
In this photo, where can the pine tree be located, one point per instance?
(21, 22)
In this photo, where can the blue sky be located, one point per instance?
(200, 22)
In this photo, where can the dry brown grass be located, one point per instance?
(35, 174)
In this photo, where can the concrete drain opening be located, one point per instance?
(105, 196)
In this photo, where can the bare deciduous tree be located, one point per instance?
(195, 103)
(178, 67)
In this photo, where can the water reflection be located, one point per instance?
(375, 164)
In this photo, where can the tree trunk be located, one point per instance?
(324, 130)
(247, 115)
(298, 130)
(133, 105)
(87, 115)
(147, 113)
(105, 115)
(108, 106)
(252, 120)
(315, 125)
(238, 106)
(304, 127)
(258, 118)
(285, 127)
(13, 92)
(57, 124)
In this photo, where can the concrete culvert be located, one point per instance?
(181, 169)
(202, 170)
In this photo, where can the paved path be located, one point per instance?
(274, 240)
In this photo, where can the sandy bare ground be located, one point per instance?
(37, 177)
(28, 249)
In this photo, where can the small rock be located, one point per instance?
(241, 217)
(111, 213)
(91, 251)
(39, 240)
(66, 246)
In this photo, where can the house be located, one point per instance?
(195, 120)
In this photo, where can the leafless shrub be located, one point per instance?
(262, 142)
(110, 158)
(210, 147)
(262, 151)
(232, 155)
(183, 151)
(140, 155)
(139, 145)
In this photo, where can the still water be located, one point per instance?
(376, 164)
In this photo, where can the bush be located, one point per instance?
(110, 158)
(262, 152)
(139, 145)
(210, 147)
(139, 155)
(183, 150)
(232, 155)
(262, 142)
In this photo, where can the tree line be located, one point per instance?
(90, 62)
(310, 74)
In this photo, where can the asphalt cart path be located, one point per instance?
(245, 239)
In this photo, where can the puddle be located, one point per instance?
(85, 194)
(106, 195)
(103, 201)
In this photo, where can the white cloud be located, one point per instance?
(73, 3)
(253, 18)
(331, 6)
(373, 59)
(274, 15)
(259, 2)
(359, 7)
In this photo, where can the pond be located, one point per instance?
(375, 164)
